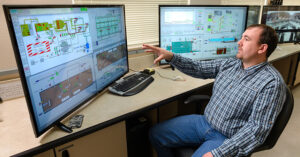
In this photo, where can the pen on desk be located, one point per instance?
(152, 65)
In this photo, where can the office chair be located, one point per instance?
(272, 138)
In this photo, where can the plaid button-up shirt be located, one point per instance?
(244, 103)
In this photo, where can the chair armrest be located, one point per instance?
(196, 98)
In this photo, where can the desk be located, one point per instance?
(104, 111)
(17, 135)
(285, 60)
(284, 50)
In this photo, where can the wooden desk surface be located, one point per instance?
(16, 133)
(284, 50)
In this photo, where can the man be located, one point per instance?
(248, 94)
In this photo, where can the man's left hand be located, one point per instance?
(208, 154)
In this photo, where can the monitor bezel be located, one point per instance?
(267, 8)
(188, 6)
(259, 15)
(17, 55)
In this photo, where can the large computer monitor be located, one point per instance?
(201, 32)
(66, 54)
(285, 20)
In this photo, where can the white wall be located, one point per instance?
(7, 60)
(291, 2)
(204, 2)
(242, 2)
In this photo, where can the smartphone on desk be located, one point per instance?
(76, 121)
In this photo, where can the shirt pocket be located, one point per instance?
(222, 83)
(242, 100)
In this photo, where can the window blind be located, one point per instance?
(141, 18)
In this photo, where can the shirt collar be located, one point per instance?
(254, 68)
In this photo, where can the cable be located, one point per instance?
(165, 77)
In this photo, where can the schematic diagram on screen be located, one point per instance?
(66, 89)
(110, 56)
(56, 86)
(47, 38)
(107, 25)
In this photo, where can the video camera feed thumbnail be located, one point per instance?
(284, 20)
(286, 23)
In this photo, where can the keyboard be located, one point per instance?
(131, 85)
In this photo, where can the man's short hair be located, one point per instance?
(268, 36)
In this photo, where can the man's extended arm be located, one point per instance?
(198, 69)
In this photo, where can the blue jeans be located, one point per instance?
(190, 130)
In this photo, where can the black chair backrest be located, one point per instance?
(280, 122)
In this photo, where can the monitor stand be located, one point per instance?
(63, 127)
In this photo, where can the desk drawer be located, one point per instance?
(108, 142)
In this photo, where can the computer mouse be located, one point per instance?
(178, 78)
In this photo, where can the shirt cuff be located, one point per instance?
(216, 153)
(174, 59)
(224, 151)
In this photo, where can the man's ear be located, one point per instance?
(262, 49)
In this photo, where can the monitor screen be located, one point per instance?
(285, 20)
(66, 55)
(253, 15)
(201, 32)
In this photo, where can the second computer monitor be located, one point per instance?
(201, 32)
(285, 20)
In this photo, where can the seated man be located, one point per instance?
(248, 94)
